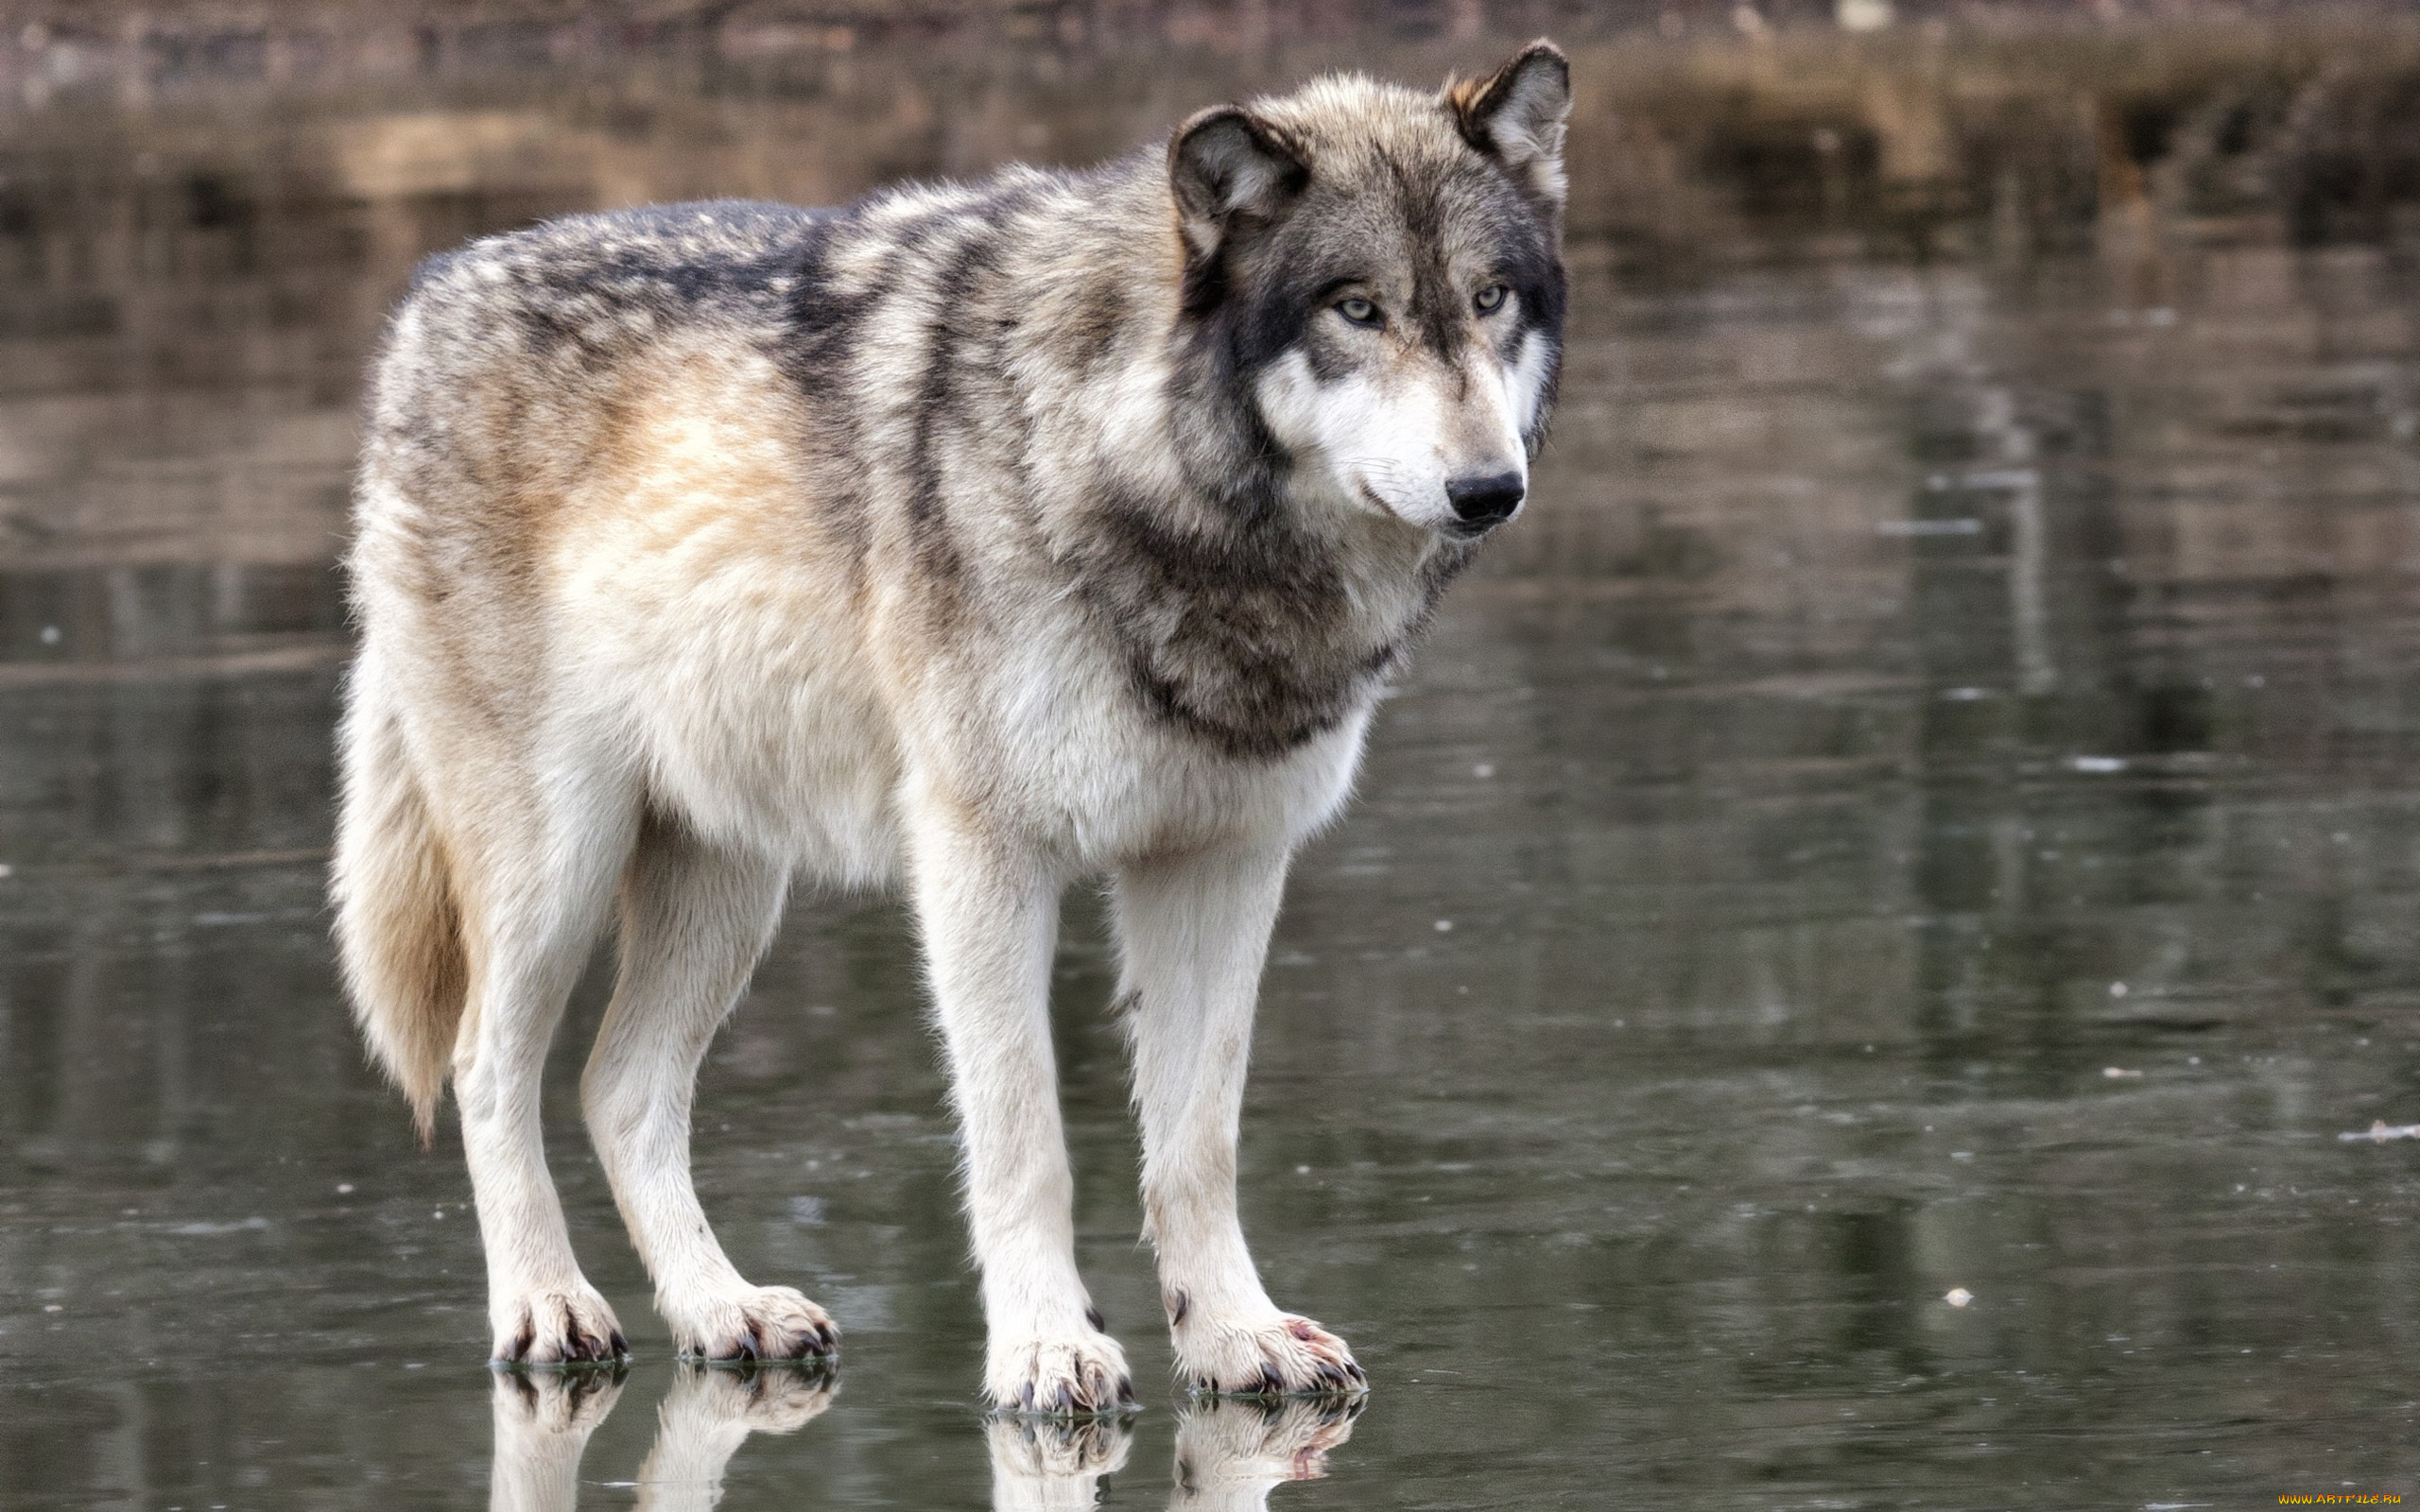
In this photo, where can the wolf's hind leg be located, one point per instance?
(694, 921)
(1193, 933)
(990, 918)
(533, 905)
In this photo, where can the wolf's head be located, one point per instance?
(1373, 275)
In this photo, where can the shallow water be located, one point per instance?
(1925, 803)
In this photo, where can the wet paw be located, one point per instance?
(1080, 1375)
(1278, 1356)
(1230, 1444)
(762, 1323)
(557, 1327)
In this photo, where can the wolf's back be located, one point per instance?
(483, 404)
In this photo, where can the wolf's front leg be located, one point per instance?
(1194, 932)
(990, 920)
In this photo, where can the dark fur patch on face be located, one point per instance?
(1424, 226)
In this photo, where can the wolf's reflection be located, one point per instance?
(543, 1421)
(1229, 1455)
(541, 1427)
(1053, 1465)
(709, 1413)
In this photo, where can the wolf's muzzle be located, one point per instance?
(1482, 502)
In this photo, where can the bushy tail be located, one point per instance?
(399, 931)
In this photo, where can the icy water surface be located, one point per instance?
(1862, 940)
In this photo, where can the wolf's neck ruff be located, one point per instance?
(1250, 602)
(1256, 638)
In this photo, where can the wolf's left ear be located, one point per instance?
(1230, 168)
(1515, 116)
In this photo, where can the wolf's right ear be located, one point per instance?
(1230, 168)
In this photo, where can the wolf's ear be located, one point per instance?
(1515, 116)
(1229, 167)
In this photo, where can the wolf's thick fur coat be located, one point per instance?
(984, 538)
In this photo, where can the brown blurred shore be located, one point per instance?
(206, 210)
(1888, 116)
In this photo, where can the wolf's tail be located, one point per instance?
(399, 928)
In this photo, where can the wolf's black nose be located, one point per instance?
(1486, 501)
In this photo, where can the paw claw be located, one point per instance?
(1084, 1375)
(560, 1328)
(1280, 1356)
(765, 1323)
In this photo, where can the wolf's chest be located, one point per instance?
(1252, 645)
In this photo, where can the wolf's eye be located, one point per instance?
(1359, 311)
(1490, 299)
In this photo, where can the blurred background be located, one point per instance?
(1925, 799)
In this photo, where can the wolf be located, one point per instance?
(975, 539)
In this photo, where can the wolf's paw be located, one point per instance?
(566, 1325)
(1045, 1465)
(761, 1323)
(1279, 1355)
(555, 1402)
(1224, 1444)
(1077, 1375)
(777, 1398)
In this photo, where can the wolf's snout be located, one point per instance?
(1481, 502)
